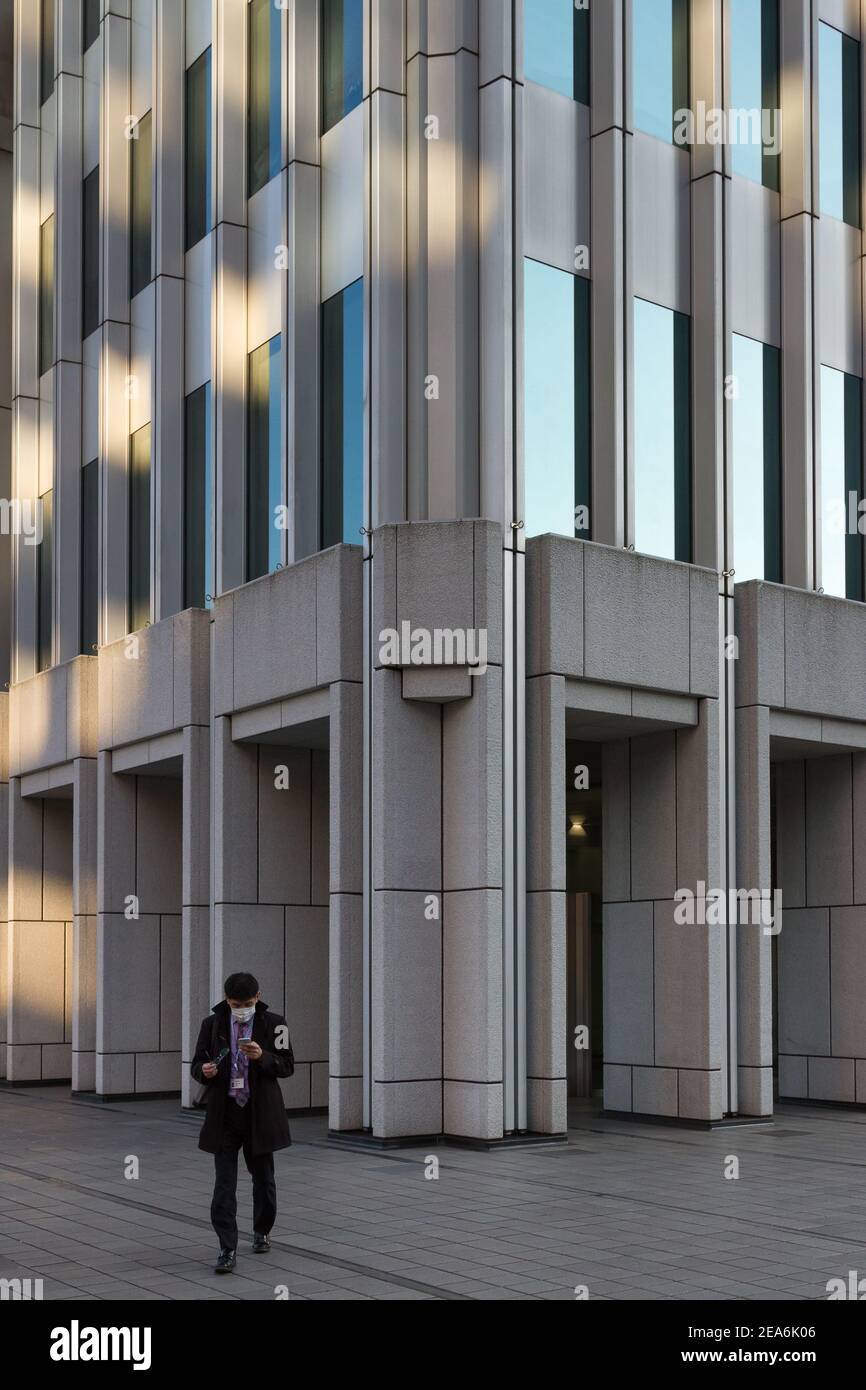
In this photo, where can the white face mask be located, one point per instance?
(244, 1015)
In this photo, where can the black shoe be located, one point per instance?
(261, 1244)
(226, 1262)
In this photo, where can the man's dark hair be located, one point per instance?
(241, 986)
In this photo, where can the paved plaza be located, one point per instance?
(626, 1210)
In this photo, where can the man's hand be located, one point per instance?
(209, 1070)
(250, 1049)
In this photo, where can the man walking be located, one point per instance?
(242, 1051)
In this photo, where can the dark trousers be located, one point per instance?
(224, 1207)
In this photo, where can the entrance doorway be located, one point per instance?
(583, 854)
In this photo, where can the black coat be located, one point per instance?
(270, 1127)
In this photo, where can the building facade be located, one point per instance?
(433, 433)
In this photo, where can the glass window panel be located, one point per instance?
(841, 484)
(343, 417)
(141, 205)
(89, 557)
(772, 464)
(199, 151)
(90, 254)
(46, 50)
(91, 22)
(45, 585)
(662, 429)
(556, 46)
(839, 124)
(854, 486)
(265, 493)
(265, 90)
(556, 406)
(660, 36)
(139, 529)
(746, 80)
(771, 91)
(198, 552)
(46, 295)
(756, 462)
(342, 59)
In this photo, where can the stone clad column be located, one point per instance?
(545, 895)
(442, 228)
(169, 267)
(196, 821)
(68, 298)
(4, 876)
(436, 997)
(611, 270)
(800, 372)
(84, 977)
(754, 945)
(346, 969)
(114, 302)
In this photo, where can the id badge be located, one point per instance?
(237, 1083)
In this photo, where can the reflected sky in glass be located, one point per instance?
(549, 44)
(746, 81)
(831, 148)
(833, 510)
(748, 451)
(549, 400)
(653, 67)
(654, 419)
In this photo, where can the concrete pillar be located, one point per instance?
(754, 946)
(435, 929)
(346, 969)
(406, 940)
(84, 972)
(196, 998)
(4, 877)
(472, 841)
(545, 895)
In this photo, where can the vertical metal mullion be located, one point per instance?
(366, 886)
(509, 1063)
(370, 521)
(519, 772)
